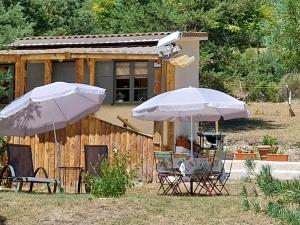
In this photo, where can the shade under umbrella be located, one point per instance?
(49, 107)
(191, 104)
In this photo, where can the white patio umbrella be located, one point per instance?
(191, 104)
(49, 107)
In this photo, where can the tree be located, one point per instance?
(13, 24)
(283, 31)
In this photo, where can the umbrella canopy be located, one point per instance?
(49, 107)
(191, 104)
(202, 104)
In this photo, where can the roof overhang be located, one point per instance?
(132, 53)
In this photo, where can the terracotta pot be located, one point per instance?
(244, 155)
(263, 150)
(277, 157)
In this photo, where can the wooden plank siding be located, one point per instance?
(94, 131)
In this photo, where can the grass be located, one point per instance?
(138, 206)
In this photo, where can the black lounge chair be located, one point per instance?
(20, 169)
(93, 156)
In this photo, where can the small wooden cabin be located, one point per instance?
(129, 66)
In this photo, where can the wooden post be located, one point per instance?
(158, 128)
(170, 86)
(80, 70)
(92, 69)
(48, 72)
(20, 74)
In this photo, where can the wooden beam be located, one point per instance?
(20, 74)
(114, 56)
(48, 56)
(48, 72)
(158, 129)
(170, 86)
(8, 58)
(92, 69)
(80, 70)
(128, 124)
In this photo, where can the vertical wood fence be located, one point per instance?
(90, 131)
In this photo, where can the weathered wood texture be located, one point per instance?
(89, 131)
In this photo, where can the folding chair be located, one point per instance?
(20, 169)
(202, 176)
(218, 171)
(169, 177)
(207, 179)
(224, 176)
(93, 156)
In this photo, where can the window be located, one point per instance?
(132, 81)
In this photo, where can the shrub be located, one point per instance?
(269, 140)
(279, 199)
(114, 178)
(293, 82)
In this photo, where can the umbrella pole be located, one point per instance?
(192, 150)
(57, 147)
(217, 126)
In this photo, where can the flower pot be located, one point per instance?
(263, 150)
(244, 155)
(277, 157)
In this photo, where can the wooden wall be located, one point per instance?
(89, 131)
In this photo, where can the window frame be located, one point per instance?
(131, 81)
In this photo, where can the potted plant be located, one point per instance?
(268, 144)
(277, 155)
(244, 153)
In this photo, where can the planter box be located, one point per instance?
(263, 150)
(244, 156)
(277, 157)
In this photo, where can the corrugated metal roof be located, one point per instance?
(103, 40)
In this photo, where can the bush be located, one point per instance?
(277, 198)
(114, 178)
(293, 82)
(3, 145)
(269, 140)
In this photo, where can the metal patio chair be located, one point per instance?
(224, 176)
(206, 180)
(93, 156)
(169, 177)
(20, 169)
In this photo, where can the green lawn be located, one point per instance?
(139, 206)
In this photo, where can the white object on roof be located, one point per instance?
(171, 38)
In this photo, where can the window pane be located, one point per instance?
(140, 83)
(122, 83)
(122, 95)
(122, 69)
(141, 68)
(140, 95)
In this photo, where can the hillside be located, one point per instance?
(265, 118)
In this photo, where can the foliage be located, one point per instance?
(5, 78)
(3, 145)
(114, 177)
(13, 24)
(269, 140)
(279, 199)
(292, 82)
